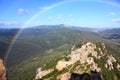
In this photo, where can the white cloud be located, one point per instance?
(59, 18)
(116, 20)
(12, 23)
(23, 11)
(45, 7)
(9, 23)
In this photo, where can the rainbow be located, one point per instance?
(38, 14)
(25, 25)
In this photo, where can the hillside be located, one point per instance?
(112, 34)
(6, 36)
(92, 60)
(37, 41)
(36, 47)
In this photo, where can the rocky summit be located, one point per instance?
(2, 71)
(88, 61)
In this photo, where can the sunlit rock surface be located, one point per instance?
(83, 62)
(2, 71)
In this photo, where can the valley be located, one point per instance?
(44, 48)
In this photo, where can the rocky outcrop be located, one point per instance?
(110, 62)
(89, 57)
(82, 55)
(118, 67)
(40, 73)
(2, 71)
(65, 76)
(83, 52)
(62, 64)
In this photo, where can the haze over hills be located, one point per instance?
(37, 46)
(112, 34)
(47, 38)
(6, 36)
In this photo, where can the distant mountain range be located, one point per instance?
(67, 26)
(111, 34)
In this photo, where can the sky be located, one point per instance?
(82, 13)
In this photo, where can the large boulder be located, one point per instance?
(2, 71)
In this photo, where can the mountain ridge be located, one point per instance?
(83, 60)
(36, 47)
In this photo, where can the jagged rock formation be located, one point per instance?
(65, 76)
(110, 62)
(82, 55)
(63, 64)
(118, 67)
(89, 57)
(2, 71)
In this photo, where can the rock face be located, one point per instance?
(2, 71)
(62, 64)
(81, 61)
(65, 76)
(110, 62)
(41, 73)
(82, 55)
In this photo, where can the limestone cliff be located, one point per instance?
(2, 71)
(89, 57)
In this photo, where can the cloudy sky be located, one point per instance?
(83, 13)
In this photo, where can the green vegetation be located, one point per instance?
(66, 58)
(106, 73)
(55, 73)
(73, 67)
(99, 46)
(27, 69)
(78, 45)
(90, 55)
(34, 43)
(6, 36)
